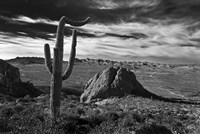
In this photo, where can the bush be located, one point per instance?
(153, 129)
(4, 126)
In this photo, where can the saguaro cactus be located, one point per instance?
(55, 68)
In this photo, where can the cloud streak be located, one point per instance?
(129, 28)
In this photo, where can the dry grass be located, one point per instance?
(128, 115)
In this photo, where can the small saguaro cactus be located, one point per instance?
(55, 68)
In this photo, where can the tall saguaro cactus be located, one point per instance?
(55, 68)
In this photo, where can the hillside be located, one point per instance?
(127, 115)
(26, 60)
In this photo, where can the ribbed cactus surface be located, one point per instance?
(55, 68)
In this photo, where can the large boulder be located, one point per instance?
(11, 84)
(116, 82)
(22, 89)
(8, 74)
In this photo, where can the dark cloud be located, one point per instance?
(85, 34)
(105, 46)
(33, 30)
(189, 45)
(51, 9)
(150, 27)
(101, 11)
(196, 40)
(133, 35)
(104, 11)
(144, 46)
(175, 8)
(47, 31)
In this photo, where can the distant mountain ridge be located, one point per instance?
(40, 60)
(27, 60)
(137, 61)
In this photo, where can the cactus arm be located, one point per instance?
(47, 54)
(69, 69)
(56, 85)
(77, 23)
(59, 38)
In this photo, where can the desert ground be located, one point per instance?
(128, 115)
(178, 81)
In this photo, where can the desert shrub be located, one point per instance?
(108, 124)
(133, 117)
(6, 112)
(10, 110)
(80, 111)
(74, 124)
(153, 129)
(25, 99)
(106, 127)
(18, 108)
(178, 127)
(82, 119)
(4, 126)
(111, 116)
(31, 120)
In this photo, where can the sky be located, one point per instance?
(164, 31)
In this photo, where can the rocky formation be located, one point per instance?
(11, 84)
(117, 82)
(22, 89)
(8, 74)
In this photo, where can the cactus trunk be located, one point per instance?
(56, 85)
(56, 68)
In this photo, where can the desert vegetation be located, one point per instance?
(56, 67)
(129, 114)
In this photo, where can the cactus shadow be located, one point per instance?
(72, 90)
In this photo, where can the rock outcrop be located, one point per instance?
(116, 82)
(11, 84)
(22, 89)
(8, 74)
(119, 82)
